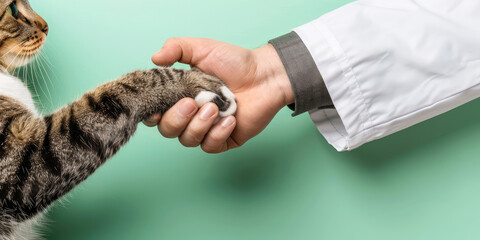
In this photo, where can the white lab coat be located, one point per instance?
(389, 64)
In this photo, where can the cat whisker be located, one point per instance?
(38, 62)
(14, 59)
(12, 49)
(47, 59)
(16, 72)
(20, 68)
(27, 71)
(43, 63)
(24, 76)
(49, 65)
(35, 82)
(43, 59)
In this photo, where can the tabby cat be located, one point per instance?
(44, 157)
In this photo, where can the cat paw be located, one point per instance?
(224, 99)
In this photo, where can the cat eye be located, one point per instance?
(13, 10)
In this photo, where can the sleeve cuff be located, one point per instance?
(308, 86)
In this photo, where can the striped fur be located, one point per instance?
(43, 158)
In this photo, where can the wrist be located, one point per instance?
(271, 69)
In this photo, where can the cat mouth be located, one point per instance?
(32, 47)
(22, 53)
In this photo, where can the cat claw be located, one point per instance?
(226, 101)
(232, 108)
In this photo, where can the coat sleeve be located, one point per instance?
(391, 64)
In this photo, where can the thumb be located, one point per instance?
(175, 50)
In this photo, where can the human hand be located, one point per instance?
(256, 77)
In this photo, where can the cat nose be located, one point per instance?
(41, 24)
(45, 29)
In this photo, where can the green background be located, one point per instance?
(288, 183)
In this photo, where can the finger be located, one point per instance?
(153, 121)
(217, 138)
(174, 50)
(185, 50)
(199, 126)
(176, 119)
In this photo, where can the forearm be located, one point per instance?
(43, 158)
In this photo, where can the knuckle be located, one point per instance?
(172, 126)
(170, 41)
(211, 149)
(188, 142)
(169, 130)
(167, 134)
(173, 41)
(195, 134)
(216, 138)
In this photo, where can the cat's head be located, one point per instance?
(22, 33)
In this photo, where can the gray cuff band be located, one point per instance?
(307, 84)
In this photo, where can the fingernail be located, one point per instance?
(228, 122)
(186, 109)
(207, 112)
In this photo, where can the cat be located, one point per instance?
(43, 157)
